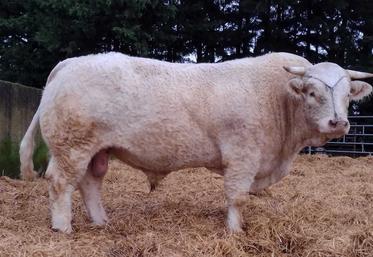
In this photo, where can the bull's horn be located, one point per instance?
(296, 70)
(359, 75)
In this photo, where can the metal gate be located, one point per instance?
(358, 141)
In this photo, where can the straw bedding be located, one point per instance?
(324, 208)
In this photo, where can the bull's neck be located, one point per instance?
(295, 133)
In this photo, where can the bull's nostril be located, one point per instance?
(345, 123)
(333, 123)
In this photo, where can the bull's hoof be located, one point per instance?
(262, 193)
(152, 187)
(101, 222)
(55, 229)
(29, 175)
(235, 230)
(63, 230)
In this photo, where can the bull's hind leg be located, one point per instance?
(64, 172)
(60, 193)
(90, 187)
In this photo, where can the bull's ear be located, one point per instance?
(295, 87)
(359, 89)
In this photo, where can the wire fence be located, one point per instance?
(358, 141)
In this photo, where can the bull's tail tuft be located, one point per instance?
(26, 150)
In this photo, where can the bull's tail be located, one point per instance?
(26, 150)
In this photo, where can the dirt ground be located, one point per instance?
(324, 208)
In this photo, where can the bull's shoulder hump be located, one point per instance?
(270, 60)
(291, 59)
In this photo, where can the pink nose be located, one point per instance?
(338, 123)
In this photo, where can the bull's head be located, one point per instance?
(326, 89)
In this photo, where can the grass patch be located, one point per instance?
(41, 157)
(9, 158)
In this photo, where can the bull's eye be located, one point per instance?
(312, 94)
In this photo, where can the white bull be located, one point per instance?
(244, 119)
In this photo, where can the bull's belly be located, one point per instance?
(160, 143)
(154, 160)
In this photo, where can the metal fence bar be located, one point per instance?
(351, 152)
(348, 143)
(360, 117)
(361, 126)
(357, 134)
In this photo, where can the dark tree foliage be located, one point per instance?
(36, 34)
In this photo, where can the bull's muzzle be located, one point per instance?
(339, 126)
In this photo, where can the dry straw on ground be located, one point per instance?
(324, 208)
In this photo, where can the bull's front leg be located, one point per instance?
(264, 182)
(238, 176)
(260, 184)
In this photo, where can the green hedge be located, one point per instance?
(9, 158)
